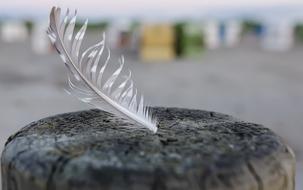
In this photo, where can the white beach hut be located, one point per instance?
(117, 33)
(39, 40)
(13, 31)
(278, 35)
(211, 31)
(232, 33)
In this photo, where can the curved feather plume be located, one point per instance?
(115, 93)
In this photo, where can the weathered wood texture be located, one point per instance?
(193, 150)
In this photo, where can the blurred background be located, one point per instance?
(243, 58)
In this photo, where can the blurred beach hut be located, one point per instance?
(278, 35)
(299, 32)
(218, 34)
(135, 37)
(119, 34)
(194, 40)
(211, 32)
(39, 40)
(232, 33)
(254, 27)
(189, 39)
(13, 31)
(157, 42)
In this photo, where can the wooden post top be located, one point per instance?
(192, 149)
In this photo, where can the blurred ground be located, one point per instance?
(246, 82)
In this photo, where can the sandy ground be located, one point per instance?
(246, 82)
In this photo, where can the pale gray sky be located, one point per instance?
(142, 3)
(133, 7)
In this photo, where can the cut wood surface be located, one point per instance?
(192, 150)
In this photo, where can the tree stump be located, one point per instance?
(192, 150)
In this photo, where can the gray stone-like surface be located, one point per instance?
(192, 149)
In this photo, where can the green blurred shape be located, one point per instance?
(299, 32)
(250, 26)
(179, 38)
(29, 25)
(189, 40)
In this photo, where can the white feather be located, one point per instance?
(116, 93)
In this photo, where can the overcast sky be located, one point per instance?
(129, 7)
(113, 4)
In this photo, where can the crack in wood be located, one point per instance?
(255, 175)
